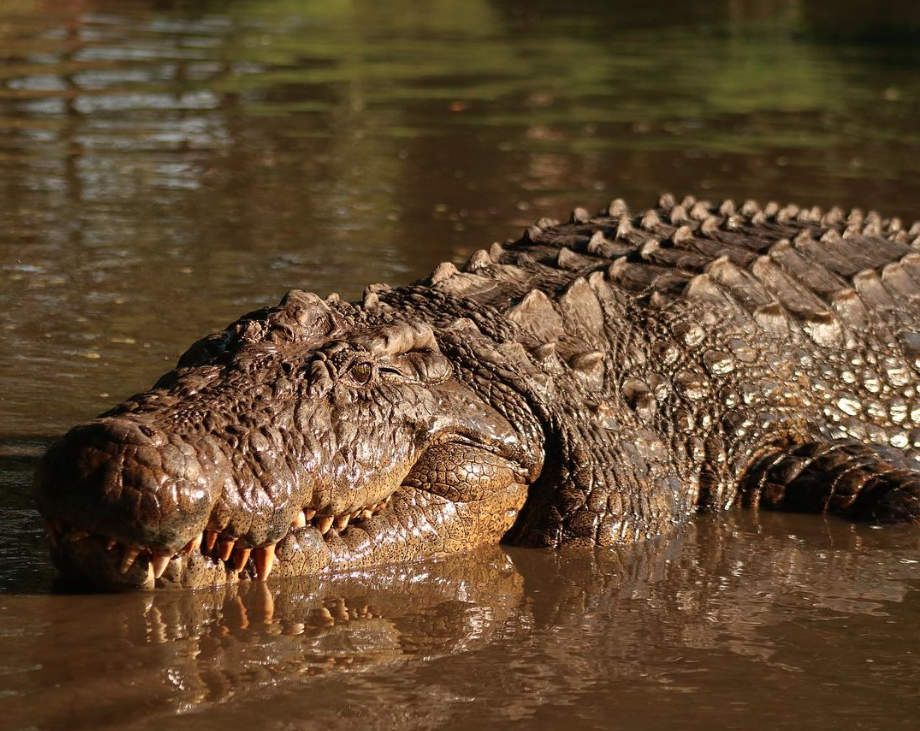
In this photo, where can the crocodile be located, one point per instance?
(594, 382)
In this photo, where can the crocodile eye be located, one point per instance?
(362, 371)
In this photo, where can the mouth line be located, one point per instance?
(220, 549)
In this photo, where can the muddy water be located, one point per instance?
(165, 167)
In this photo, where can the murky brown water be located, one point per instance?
(165, 167)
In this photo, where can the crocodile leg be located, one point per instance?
(845, 477)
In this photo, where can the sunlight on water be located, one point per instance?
(165, 167)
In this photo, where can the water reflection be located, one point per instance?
(645, 613)
(166, 166)
(166, 652)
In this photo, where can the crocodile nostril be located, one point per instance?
(117, 430)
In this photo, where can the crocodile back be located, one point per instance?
(708, 333)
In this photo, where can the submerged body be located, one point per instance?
(594, 382)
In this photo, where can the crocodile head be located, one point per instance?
(304, 438)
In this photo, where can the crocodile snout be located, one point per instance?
(128, 482)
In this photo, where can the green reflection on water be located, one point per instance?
(165, 167)
(239, 149)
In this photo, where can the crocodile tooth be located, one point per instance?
(77, 535)
(194, 544)
(300, 520)
(110, 544)
(341, 523)
(308, 513)
(265, 560)
(128, 558)
(365, 514)
(226, 548)
(324, 524)
(210, 538)
(240, 557)
(355, 513)
(159, 563)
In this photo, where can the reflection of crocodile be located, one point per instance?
(624, 614)
(164, 652)
(592, 383)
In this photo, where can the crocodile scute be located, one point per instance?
(594, 382)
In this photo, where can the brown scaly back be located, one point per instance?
(627, 305)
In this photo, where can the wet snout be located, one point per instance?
(126, 481)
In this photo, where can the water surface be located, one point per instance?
(167, 166)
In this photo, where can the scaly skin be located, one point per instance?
(593, 383)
